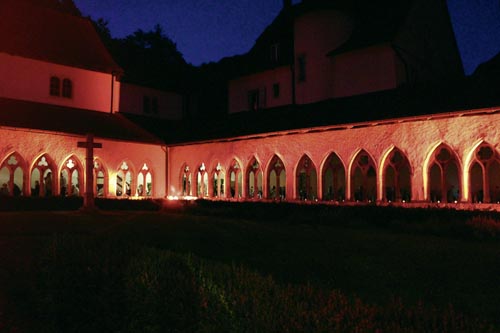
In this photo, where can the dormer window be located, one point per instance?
(67, 89)
(55, 86)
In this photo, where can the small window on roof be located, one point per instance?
(55, 86)
(276, 90)
(146, 104)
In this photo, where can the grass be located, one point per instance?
(376, 255)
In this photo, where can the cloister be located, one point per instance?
(442, 158)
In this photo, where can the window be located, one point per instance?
(67, 90)
(55, 86)
(302, 68)
(146, 104)
(276, 90)
(275, 52)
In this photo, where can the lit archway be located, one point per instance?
(333, 179)
(12, 175)
(202, 181)
(42, 177)
(397, 177)
(186, 181)
(100, 178)
(235, 180)
(219, 182)
(71, 177)
(276, 179)
(124, 180)
(144, 182)
(444, 176)
(363, 178)
(484, 175)
(254, 179)
(307, 180)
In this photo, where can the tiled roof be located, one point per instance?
(52, 118)
(41, 33)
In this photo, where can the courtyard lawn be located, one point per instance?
(377, 263)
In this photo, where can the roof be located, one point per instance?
(50, 35)
(52, 118)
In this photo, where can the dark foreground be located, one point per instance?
(222, 267)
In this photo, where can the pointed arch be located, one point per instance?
(363, 177)
(13, 175)
(100, 178)
(219, 181)
(396, 176)
(144, 186)
(307, 179)
(276, 178)
(333, 178)
(484, 175)
(186, 180)
(235, 176)
(42, 178)
(71, 177)
(202, 181)
(125, 179)
(443, 174)
(254, 177)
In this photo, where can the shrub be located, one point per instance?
(484, 226)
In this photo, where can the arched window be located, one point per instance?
(55, 86)
(397, 177)
(124, 180)
(42, 177)
(100, 178)
(485, 175)
(235, 180)
(254, 179)
(307, 180)
(218, 182)
(276, 179)
(444, 176)
(12, 176)
(363, 178)
(186, 181)
(71, 178)
(202, 182)
(67, 88)
(333, 179)
(144, 182)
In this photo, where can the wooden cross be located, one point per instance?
(89, 145)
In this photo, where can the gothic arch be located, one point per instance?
(276, 178)
(42, 177)
(363, 177)
(202, 181)
(13, 175)
(395, 177)
(71, 177)
(145, 178)
(219, 181)
(333, 178)
(125, 179)
(306, 179)
(101, 180)
(484, 174)
(186, 180)
(254, 179)
(235, 179)
(444, 175)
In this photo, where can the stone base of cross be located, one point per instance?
(89, 145)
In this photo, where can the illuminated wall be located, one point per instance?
(420, 140)
(29, 80)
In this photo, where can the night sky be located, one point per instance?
(208, 30)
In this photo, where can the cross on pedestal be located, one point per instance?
(89, 145)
